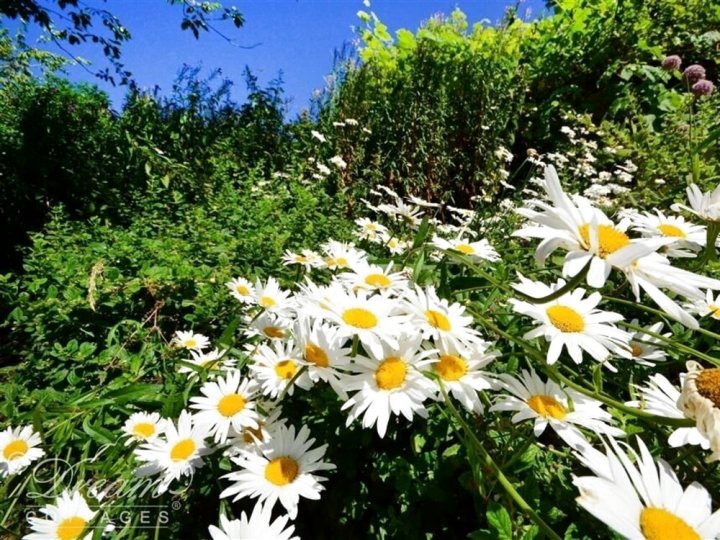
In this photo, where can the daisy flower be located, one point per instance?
(312, 301)
(548, 403)
(190, 340)
(259, 525)
(322, 351)
(372, 319)
(369, 230)
(371, 277)
(572, 322)
(268, 326)
(250, 439)
(460, 370)
(704, 205)
(480, 250)
(272, 298)
(226, 403)
(177, 453)
(212, 360)
(645, 499)
(707, 306)
(394, 244)
(438, 319)
(143, 427)
(700, 400)
(646, 349)
(390, 383)
(660, 397)
(689, 238)
(67, 519)
(242, 289)
(307, 258)
(275, 367)
(407, 213)
(339, 255)
(18, 449)
(284, 471)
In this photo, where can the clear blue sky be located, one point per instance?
(295, 37)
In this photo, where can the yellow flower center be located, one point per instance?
(659, 524)
(342, 262)
(242, 290)
(285, 369)
(451, 367)
(143, 430)
(609, 239)
(467, 249)
(15, 449)
(251, 435)
(71, 528)
(714, 310)
(438, 320)
(301, 259)
(360, 318)
(191, 343)
(547, 407)
(281, 471)
(671, 230)
(377, 280)
(708, 385)
(231, 404)
(267, 302)
(316, 355)
(274, 332)
(391, 373)
(636, 349)
(565, 319)
(182, 450)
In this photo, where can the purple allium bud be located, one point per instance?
(694, 73)
(671, 63)
(703, 88)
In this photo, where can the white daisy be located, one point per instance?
(214, 361)
(707, 306)
(645, 500)
(226, 403)
(460, 370)
(323, 352)
(406, 213)
(372, 319)
(339, 255)
(177, 453)
(272, 298)
(572, 322)
(371, 277)
(307, 259)
(257, 527)
(190, 340)
(390, 383)
(67, 519)
(548, 403)
(18, 449)
(284, 471)
(646, 349)
(313, 301)
(689, 238)
(700, 400)
(479, 250)
(704, 205)
(143, 427)
(438, 319)
(275, 367)
(395, 245)
(369, 230)
(242, 289)
(660, 397)
(268, 326)
(251, 439)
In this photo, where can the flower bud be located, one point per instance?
(671, 63)
(703, 88)
(694, 73)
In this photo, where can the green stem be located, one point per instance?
(569, 286)
(292, 381)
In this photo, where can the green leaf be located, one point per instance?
(499, 519)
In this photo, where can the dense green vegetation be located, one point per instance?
(122, 228)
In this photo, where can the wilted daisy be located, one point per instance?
(646, 348)
(438, 319)
(227, 402)
(18, 449)
(645, 500)
(67, 519)
(242, 289)
(689, 238)
(390, 383)
(323, 351)
(700, 400)
(284, 471)
(258, 526)
(143, 427)
(213, 360)
(572, 322)
(371, 277)
(706, 307)
(480, 250)
(177, 453)
(190, 340)
(272, 298)
(547, 403)
(274, 367)
(704, 205)
(459, 367)
(660, 397)
(372, 319)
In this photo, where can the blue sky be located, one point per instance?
(295, 37)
